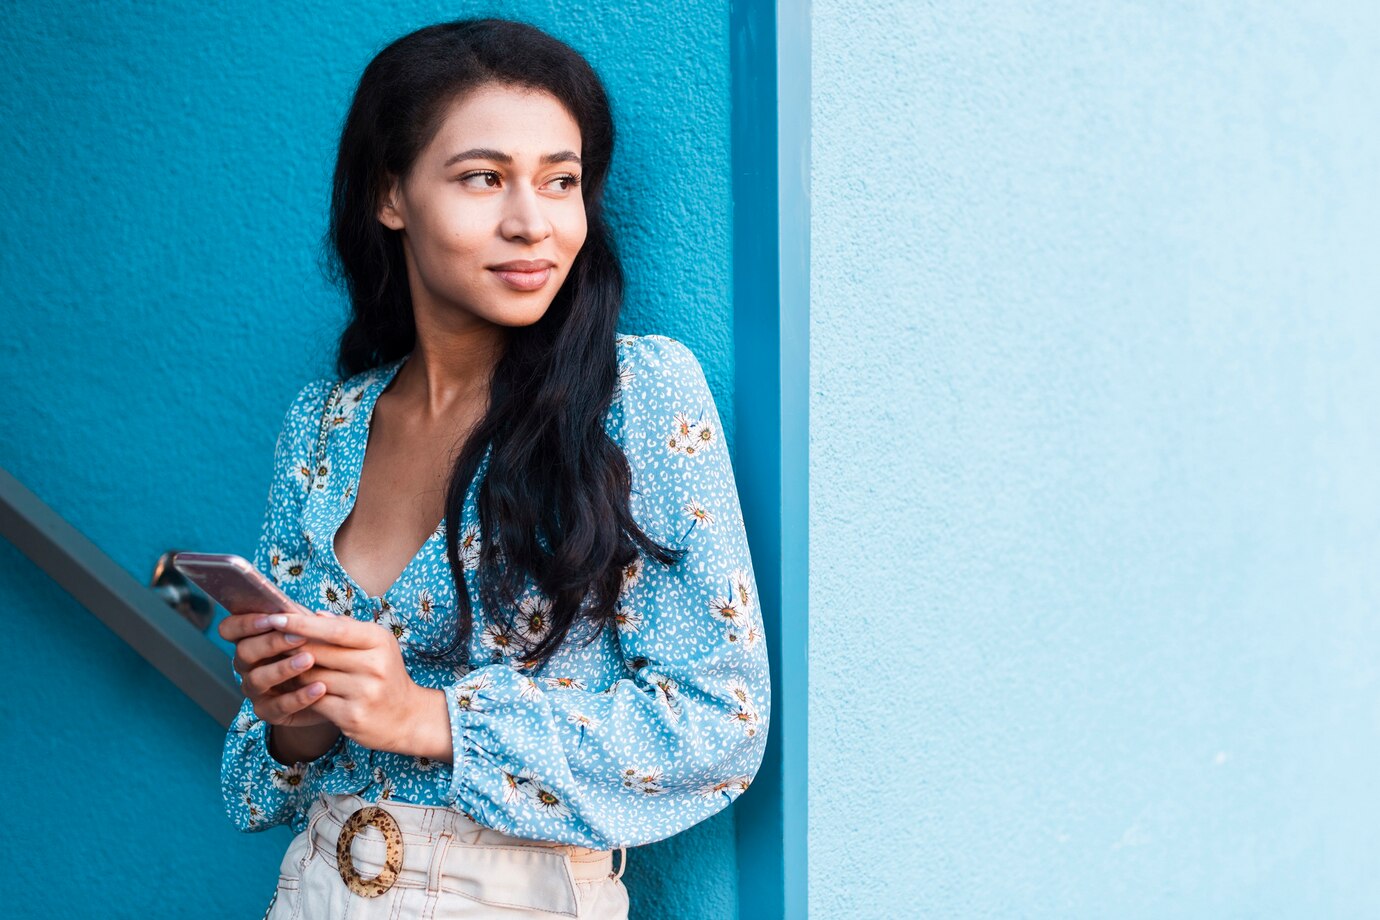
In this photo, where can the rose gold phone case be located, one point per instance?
(234, 583)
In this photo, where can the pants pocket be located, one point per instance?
(287, 897)
(602, 899)
(511, 881)
(287, 901)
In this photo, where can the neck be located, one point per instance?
(449, 371)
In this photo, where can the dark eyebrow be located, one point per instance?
(498, 156)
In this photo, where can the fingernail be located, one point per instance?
(316, 690)
(278, 620)
(292, 637)
(261, 622)
(300, 661)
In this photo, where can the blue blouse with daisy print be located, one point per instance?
(654, 726)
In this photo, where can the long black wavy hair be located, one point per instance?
(554, 501)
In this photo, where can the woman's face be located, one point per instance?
(496, 185)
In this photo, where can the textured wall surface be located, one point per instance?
(167, 171)
(1095, 512)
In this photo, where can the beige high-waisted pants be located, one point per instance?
(434, 863)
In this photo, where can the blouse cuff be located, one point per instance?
(262, 791)
(471, 701)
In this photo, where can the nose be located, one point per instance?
(523, 217)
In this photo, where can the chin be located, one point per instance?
(518, 317)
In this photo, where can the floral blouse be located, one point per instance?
(653, 727)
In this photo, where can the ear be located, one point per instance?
(390, 209)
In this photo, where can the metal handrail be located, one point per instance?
(136, 613)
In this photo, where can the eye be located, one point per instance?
(485, 173)
(571, 181)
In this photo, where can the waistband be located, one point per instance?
(442, 847)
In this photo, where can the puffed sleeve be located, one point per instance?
(683, 733)
(259, 791)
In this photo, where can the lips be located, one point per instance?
(523, 265)
(524, 275)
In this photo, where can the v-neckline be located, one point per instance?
(373, 389)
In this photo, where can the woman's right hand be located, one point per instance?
(263, 659)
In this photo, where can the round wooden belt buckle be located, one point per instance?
(393, 850)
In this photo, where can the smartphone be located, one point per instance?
(235, 584)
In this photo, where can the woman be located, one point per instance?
(571, 661)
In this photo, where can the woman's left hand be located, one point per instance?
(369, 694)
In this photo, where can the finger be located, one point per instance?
(265, 647)
(276, 708)
(298, 681)
(265, 677)
(339, 658)
(343, 631)
(326, 659)
(338, 683)
(329, 706)
(238, 626)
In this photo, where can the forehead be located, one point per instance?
(524, 123)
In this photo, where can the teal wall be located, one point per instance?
(1093, 349)
(167, 172)
(1095, 512)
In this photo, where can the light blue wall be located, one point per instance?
(164, 190)
(1095, 352)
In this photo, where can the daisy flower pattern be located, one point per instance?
(645, 781)
(745, 714)
(383, 784)
(499, 640)
(689, 436)
(627, 619)
(564, 683)
(394, 623)
(342, 411)
(244, 721)
(545, 799)
(290, 779)
(733, 786)
(727, 612)
(321, 479)
(466, 693)
(287, 571)
(464, 699)
(253, 813)
(670, 694)
(513, 784)
(469, 547)
(656, 724)
(528, 689)
(426, 605)
(699, 513)
(631, 573)
(338, 599)
(742, 588)
(533, 619)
